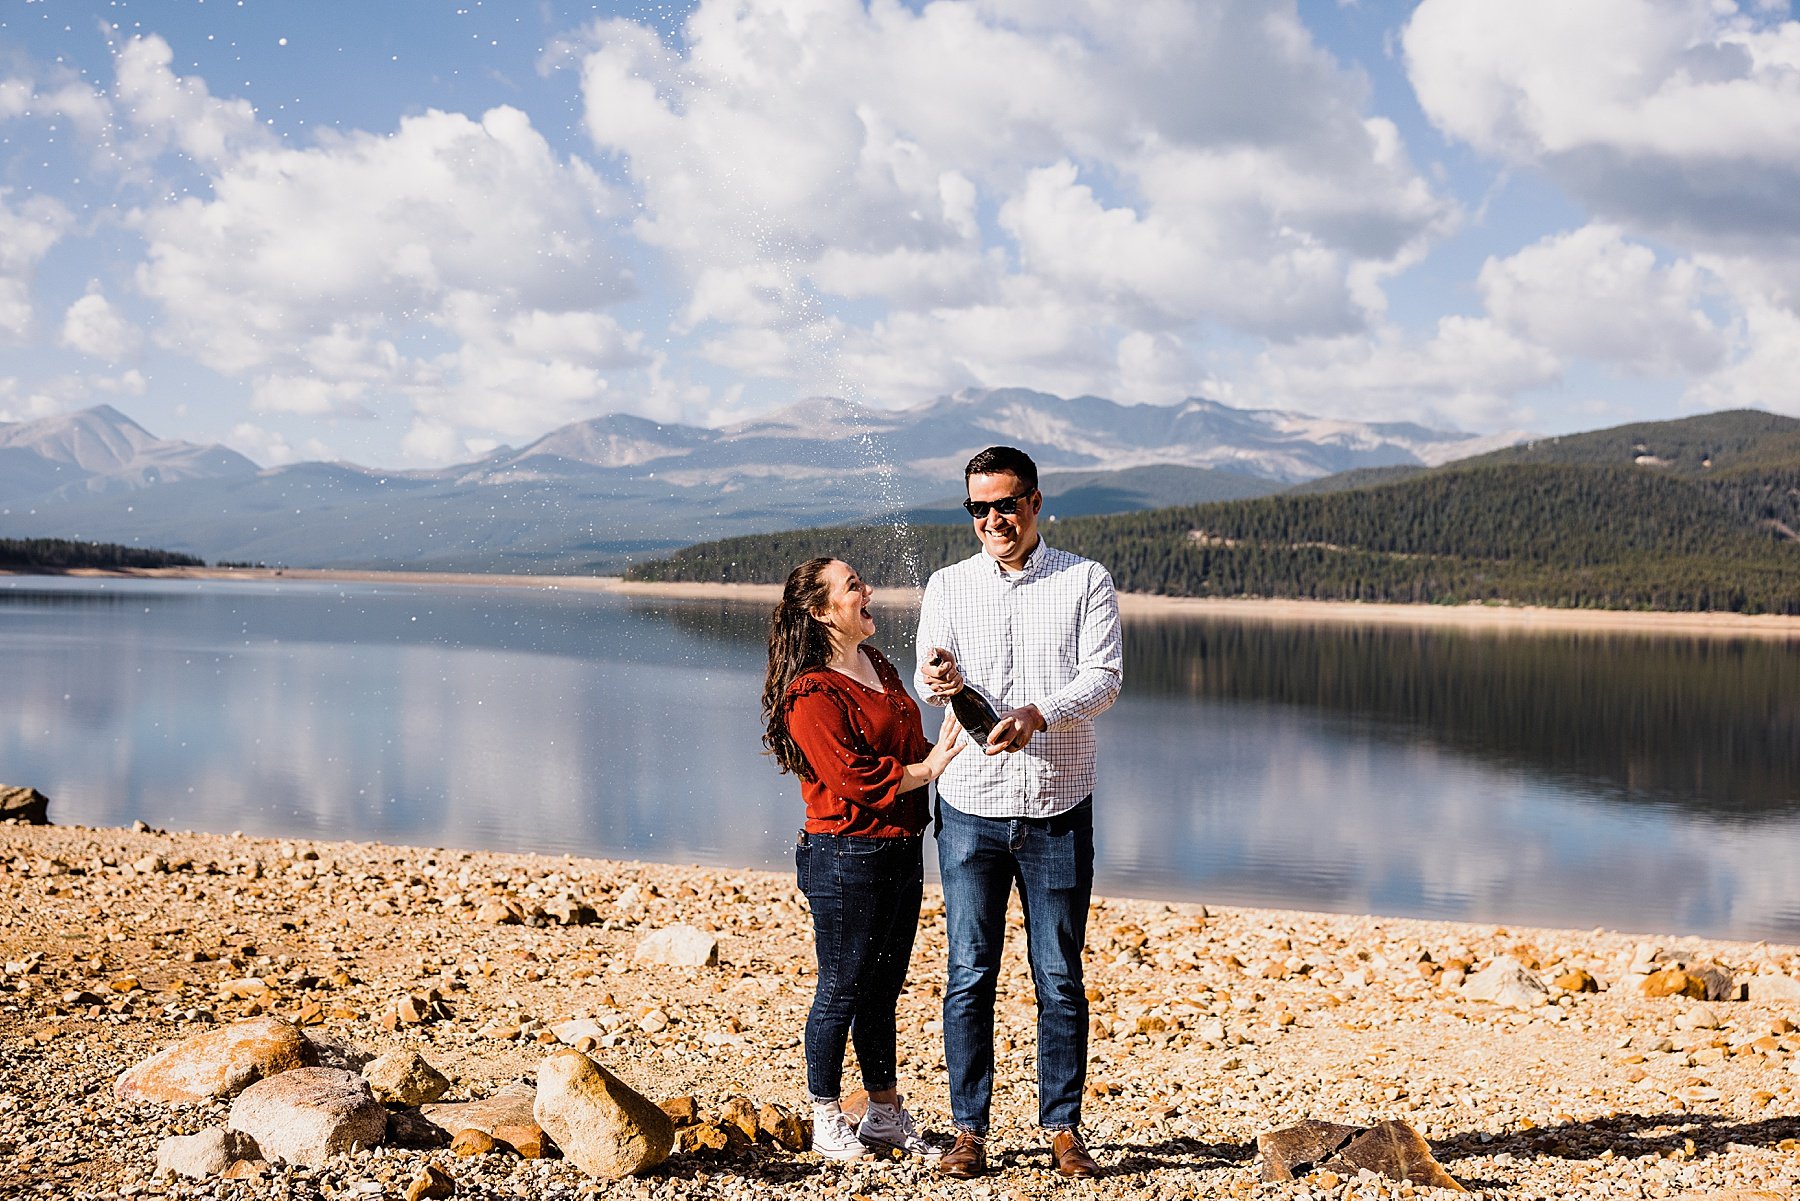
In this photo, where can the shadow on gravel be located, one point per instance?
(1131, 1159)
(1117, 1158)
(1628, 1136)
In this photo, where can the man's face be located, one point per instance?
(1007, 537)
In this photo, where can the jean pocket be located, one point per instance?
(1065, 858)
(802, 859)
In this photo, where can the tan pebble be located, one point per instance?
(432, 1182)
(468, 1143)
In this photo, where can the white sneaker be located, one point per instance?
(833, 1135)
(890, 1126)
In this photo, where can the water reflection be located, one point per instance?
(1637, 783)
(1703, 723)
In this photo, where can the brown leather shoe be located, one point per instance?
(1072, 1159)
(967, 1159)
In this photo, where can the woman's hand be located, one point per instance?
(950, 744)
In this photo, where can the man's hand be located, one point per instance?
(941, 674)
(1014, 730)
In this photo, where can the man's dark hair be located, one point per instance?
(996, 460)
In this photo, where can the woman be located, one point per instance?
(839, 718)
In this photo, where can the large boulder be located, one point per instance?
(308, 1115)
(24, 805)
(603, 1126)
(219, 1063)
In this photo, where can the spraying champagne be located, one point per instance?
(972, 710)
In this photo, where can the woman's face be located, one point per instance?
(846, 609)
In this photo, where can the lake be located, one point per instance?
(1635, 782)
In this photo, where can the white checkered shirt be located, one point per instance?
(1045, 636)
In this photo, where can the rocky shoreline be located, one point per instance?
(1211, 1026)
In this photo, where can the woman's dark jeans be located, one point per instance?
(865, 895)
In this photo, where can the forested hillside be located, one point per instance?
(1566, 535)
(61, 554)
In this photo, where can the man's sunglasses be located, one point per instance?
(1006, 506)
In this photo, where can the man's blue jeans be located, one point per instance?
(864, 894)
(1052, 862)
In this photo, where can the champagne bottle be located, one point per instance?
(972, 710)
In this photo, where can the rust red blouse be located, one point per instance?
(858, 742)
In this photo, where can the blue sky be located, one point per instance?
(402, 233)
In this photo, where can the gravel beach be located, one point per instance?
(1210, 1026)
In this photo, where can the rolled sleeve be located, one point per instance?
(1099, 665)
(934, 631)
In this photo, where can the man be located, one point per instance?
(1036, 631)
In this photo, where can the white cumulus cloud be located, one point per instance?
(979, 177)
(1762, 374)
(1468, 374)
(348, 271)
(1678, 116)
(94, 327)
(1594, 294)
(28, 229)
(168, 111)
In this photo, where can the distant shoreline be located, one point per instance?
(1514, 618)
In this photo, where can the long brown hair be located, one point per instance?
(798, 642)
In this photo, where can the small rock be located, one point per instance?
(1506, 982)
(740, 1113)
(204, 1154)
(431, 1183)
(219, 1063)
(605, 1128)
(683, 1111)
(527, 1138)
(310, 1114)
(409, 1128)
(678, 946)
(1578, 980)
(1702, 1017)
(573, 1031)
(404, 1078)
(469, 1143)
(1674, 982)
(510, 1106)
(26, 805)
(703, 1138)
(784, 1127)
(567, 911)
(1773, 986)
(496, 913)
(1392, 1149)
(1720, 984)
(1293, 1152)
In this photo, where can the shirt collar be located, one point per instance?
(1033, 561)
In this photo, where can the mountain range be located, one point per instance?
(601, 493)
(1697, 514)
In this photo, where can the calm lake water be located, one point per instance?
(1569, 779)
